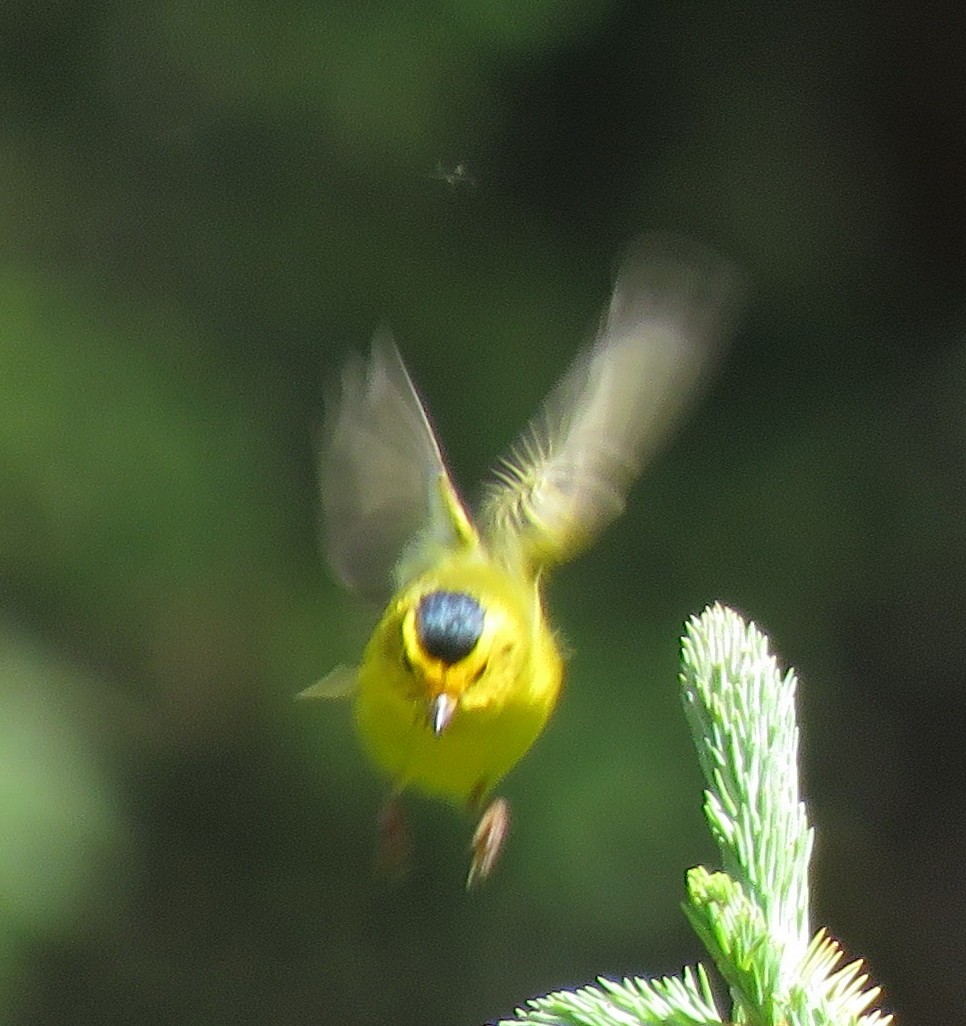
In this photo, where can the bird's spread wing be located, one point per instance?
(388, 503)
(566, 476)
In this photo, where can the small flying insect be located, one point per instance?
(455, 176)
(463, 670)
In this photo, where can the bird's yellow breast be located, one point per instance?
(502, 691)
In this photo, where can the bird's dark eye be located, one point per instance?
(479, 673)
(449, 624)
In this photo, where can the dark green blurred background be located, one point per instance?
(203, 208)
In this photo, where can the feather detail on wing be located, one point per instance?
(566, 477)
(388, 503)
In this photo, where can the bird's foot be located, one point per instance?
(488, 840)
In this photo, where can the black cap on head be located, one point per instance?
(449, 624)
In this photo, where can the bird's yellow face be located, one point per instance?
(458, 679)
(448, 640)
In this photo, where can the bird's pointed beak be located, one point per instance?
(441, 711)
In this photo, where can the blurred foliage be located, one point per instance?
(202, 207)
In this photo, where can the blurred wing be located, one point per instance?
(566, 477)
(337, 683)
(388, 503)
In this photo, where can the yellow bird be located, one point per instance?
(463, 670)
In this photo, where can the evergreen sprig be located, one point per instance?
(752, 916)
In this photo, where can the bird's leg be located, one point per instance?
(488, 838)
(393, 844)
